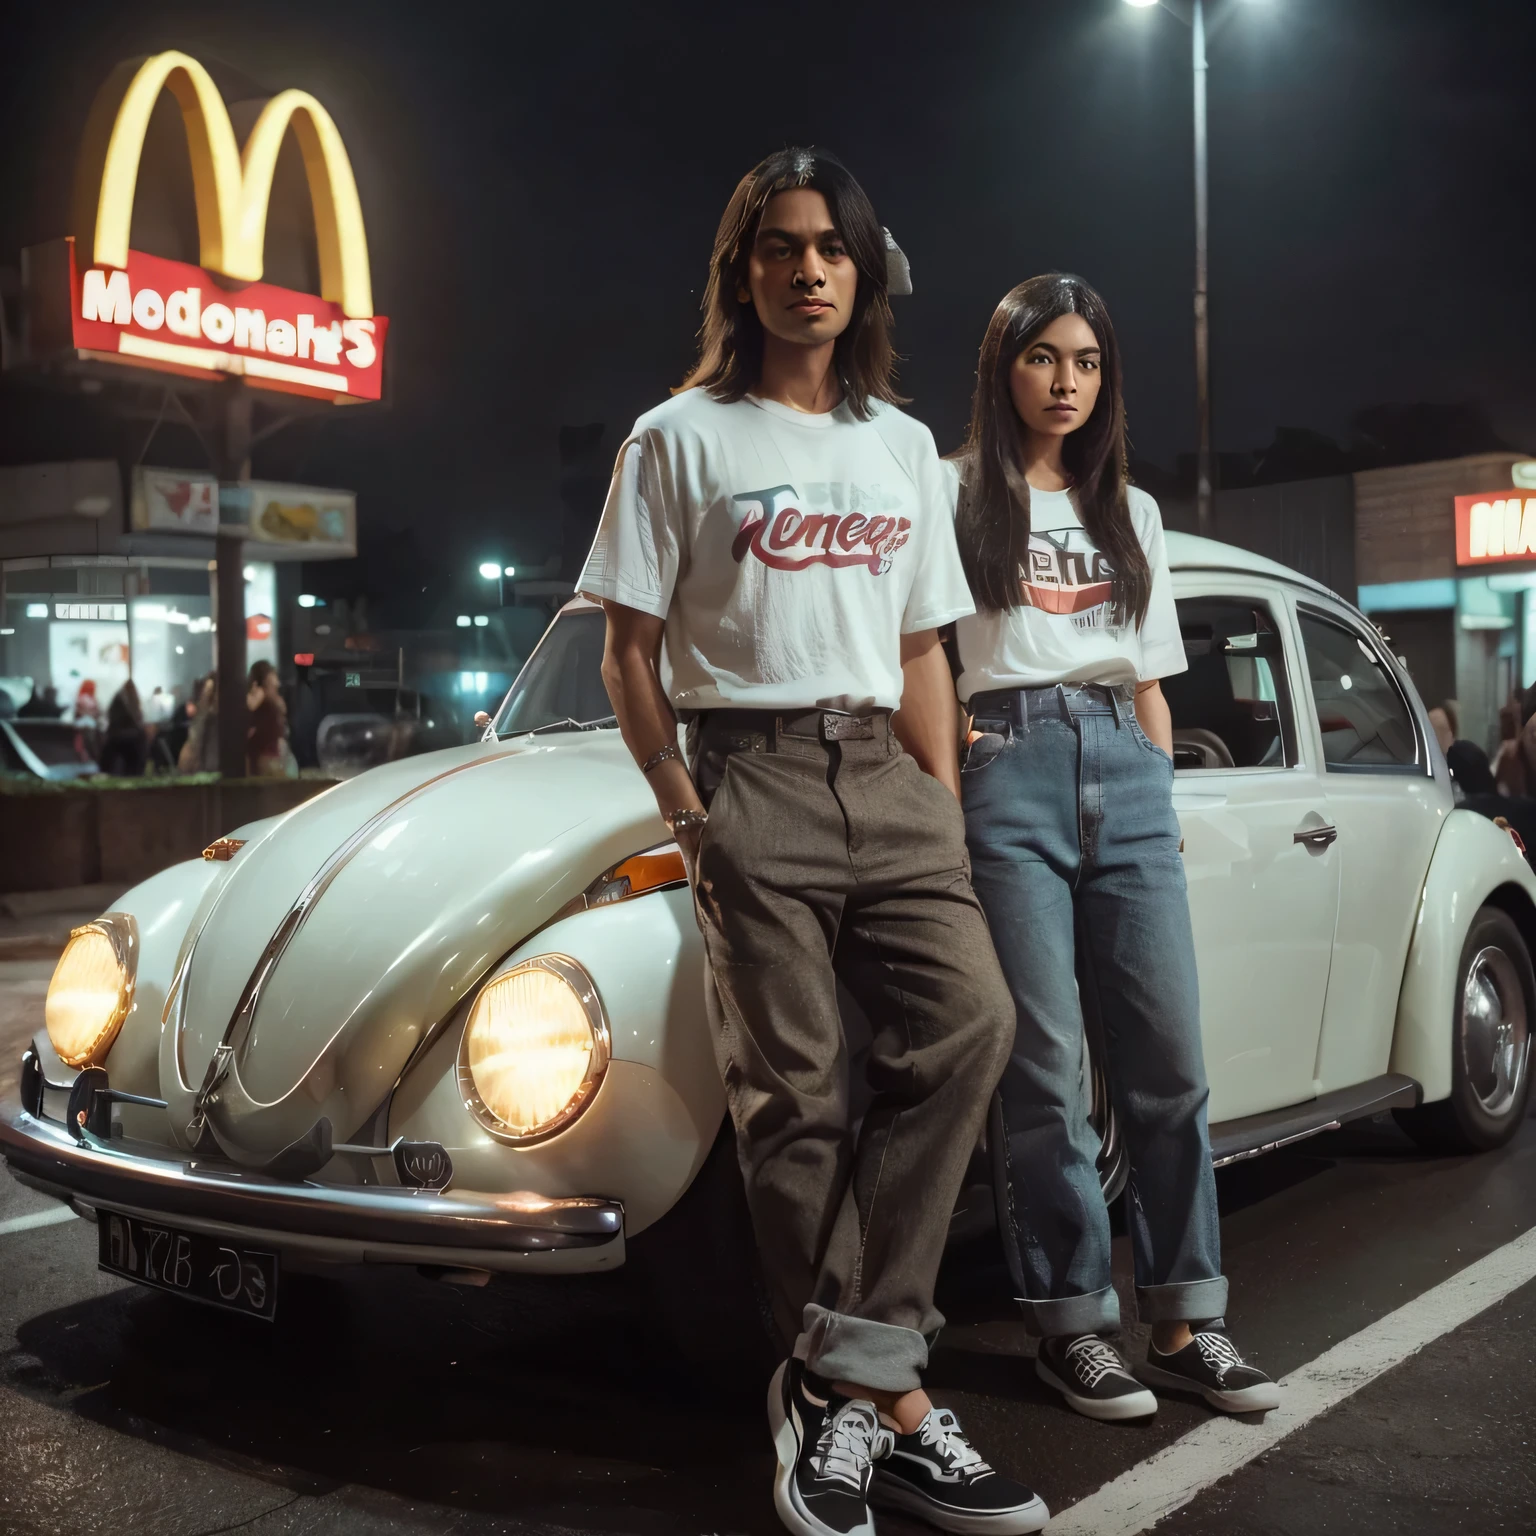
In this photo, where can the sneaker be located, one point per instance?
(827, 1446)
(936, 1475)
(1210, 1365)
(1089, 1372)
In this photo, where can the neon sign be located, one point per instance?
(152, 312)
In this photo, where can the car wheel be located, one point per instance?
(1490, 1044)
(701, 1274)
(1114, 1161)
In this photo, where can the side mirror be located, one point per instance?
(481, 719)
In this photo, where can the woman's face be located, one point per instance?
(1055, 380)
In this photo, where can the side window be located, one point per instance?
(1232, 708)
(1364, 718)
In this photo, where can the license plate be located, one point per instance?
(188, 1263)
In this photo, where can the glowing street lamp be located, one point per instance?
(1192, 13)
(493, 570)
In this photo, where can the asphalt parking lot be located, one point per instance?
(387, 1403)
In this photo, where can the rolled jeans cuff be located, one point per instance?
(1193, 1301)
(1072, 1316)
(861, 1352)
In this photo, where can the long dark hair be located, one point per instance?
(992, 523)
(731, 337)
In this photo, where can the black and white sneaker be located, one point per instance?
(827, 1446)
(937, 1475)
(1089, 1372)
(1211, 1365)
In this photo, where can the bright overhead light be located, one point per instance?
(511, 570)
(1139, 4)
(462, 621)
(37, 610)
(181, 650)
(308, 600)
(490, 570)
(250, 573)
(7, 631)
(481, 621)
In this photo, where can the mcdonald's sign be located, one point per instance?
(220, 317)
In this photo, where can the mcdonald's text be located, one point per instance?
(1495, 527)
(168, 315)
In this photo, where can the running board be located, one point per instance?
(1234, 1140)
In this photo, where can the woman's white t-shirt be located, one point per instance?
(1061, 632)
(788, 553)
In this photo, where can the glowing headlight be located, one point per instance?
(92, 989)
(534, 1050)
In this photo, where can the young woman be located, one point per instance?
(1067, 786)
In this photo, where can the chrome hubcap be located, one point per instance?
(1495, 1032)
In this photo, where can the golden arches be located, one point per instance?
(232, 191)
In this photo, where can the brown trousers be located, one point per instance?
(827, 860)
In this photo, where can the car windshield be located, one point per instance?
(562, 683)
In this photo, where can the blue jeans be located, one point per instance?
(1075, 858)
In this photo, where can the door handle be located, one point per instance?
(1315, 839)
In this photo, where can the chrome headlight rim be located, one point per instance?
(575, 976)
(121, 931)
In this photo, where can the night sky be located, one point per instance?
(541, 185)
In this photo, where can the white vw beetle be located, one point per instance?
(449, 1014)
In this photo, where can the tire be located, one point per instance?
(699, 1269)
(1494, 1010)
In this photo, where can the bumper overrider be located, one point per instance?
(327, 1223)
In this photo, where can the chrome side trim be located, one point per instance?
(146, 1177)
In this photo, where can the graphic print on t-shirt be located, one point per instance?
(1067, 575)
(784, 537)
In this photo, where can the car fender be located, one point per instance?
(1474, 864)
(164, 907)
(654, 1119)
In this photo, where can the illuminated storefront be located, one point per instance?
(1446, 556)
(109, 573)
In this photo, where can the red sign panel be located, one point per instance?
(174, 317)
(1494, 527)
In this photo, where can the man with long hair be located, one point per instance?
(785, 529)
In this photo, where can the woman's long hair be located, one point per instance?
(992, 523)
(731, 337)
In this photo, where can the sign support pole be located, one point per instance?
(234, 465)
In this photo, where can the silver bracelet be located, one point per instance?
(658, 757)
(678, 821)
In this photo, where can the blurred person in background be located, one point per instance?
(1514, 765)
(43, 705)
(266, 738)
(1445, 721)
(200, 751)
(87, 709)
(125, 748)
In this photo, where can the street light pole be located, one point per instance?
(1202, 313)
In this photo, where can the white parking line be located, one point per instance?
(1136, 1500)
(48, 1218)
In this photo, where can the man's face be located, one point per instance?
(801, 276)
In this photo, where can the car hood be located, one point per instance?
(347, 929)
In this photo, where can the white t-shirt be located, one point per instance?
(788, 553)
(1061, 632)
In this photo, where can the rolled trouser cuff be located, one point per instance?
(1072, 1316)
(861, 1352)
(1193, 1301)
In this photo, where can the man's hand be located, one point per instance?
(928, 722)
(631, 654)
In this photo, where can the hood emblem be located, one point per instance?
(223, 849)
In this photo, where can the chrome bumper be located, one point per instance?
(142, 1177)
